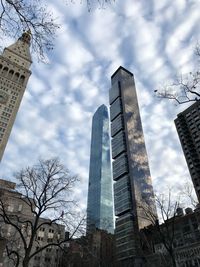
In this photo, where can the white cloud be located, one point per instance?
(152, 40)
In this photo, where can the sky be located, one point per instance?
(153, 39)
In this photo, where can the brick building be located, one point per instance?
(94, 250)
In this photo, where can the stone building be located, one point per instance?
(14, 74)
(20, 213)
(184, 235)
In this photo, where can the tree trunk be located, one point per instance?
(173, 259)
(25, 262)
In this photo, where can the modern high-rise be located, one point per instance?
(188, 128)
(133, 191)
(14, 74)
(100, 194)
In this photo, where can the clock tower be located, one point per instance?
(14, 74)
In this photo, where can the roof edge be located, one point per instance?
(121, 68)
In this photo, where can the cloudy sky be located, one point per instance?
(153, 39)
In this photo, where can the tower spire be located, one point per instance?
(26, 37)
(19, 52)
(14, 73)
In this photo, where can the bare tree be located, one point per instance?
(94, 249)
(188, 194)
(186, 88)
(46, 193)
(163, 231)
(17, 16)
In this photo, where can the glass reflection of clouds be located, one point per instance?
(133, 187)
(100, 192)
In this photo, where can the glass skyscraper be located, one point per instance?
(133, 191)
(100, 197)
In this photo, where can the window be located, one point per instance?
(10, 208)
(20, 207)
(47, 259)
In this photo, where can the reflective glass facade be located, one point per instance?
(100, 193)
(132, 188)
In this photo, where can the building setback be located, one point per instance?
(14, 74)
(133, 190)
(188, 128)
(100, 194)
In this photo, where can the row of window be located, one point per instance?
(114, 92)
(9, 85)
(118, 144)
(122, 183)
(3, 124)
(188, 253)
(42, 229)
(5, 114)
(115, 109)
(120, 166)
(4, 119)
(2, 129)
(10, 74)
(40, 238)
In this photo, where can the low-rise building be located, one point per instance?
(182, 233)
(94, 250)
(18, 211)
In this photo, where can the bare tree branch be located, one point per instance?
(186, 88)
(167, 208)
(45, 187)
(17, 16)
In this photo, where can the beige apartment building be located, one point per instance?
(17, 208)
(14, 74)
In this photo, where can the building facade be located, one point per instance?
(188, 128)
(93, 250)
(133, 187)
(100, 194)
(181, 233)
(19, 213)
(14, 74)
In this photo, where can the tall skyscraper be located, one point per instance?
(14, 73)
(100, 197)
(188, 128)
(133, 192)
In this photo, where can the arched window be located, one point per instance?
(1, 67)
(10, 73)
(22, 78)
(5, 70)
(16, 76)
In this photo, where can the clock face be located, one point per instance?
(3, 97)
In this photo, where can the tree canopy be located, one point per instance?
(46, 199)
